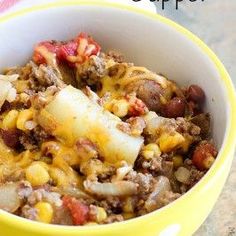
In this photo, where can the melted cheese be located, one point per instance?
(126, 75)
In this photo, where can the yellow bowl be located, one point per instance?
(161, 45)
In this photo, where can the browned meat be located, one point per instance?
(168, 197)
(43, 76)
(203, 121)
(145, 181)
(86, 148)
(40, 135)
(27, 141)
(185, 127)
(67, 74)
(156, 166)
(167, 168)
(114, 218)
(29, 212)
(137, 125)
(93, 69)
(44, 195)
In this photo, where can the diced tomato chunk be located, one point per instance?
(92, 47)
(73, 52)
(204, 155)
(136, 106)
(79, 211)
(68, 49)
(51, 46)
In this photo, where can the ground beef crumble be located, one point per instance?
(29, 212)
(41, 194)
(92, 70)
(169, 197)
(42, 77)
(144, 181)
(114, 218)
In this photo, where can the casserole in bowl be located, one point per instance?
(169, 50)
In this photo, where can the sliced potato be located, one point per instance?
(76, 116)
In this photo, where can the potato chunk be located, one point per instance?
(76, 116)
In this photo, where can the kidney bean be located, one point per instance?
(204, 155)
(174, 108)
(11, 137)
(196, 94)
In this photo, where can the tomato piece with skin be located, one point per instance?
(51, 46)
(68, 49)
(136, 106)
(92, 47)
(73, 52)
(204, 155)
(79, 211)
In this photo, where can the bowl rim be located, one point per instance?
(227, 147)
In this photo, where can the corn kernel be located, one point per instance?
(101, 214)
(177, 161)
(51, 147)
(37, 174)
(42, 163)
(208, 162)
(153, 147)
(108, 105)
(128, 206)
(9, 121)
(24, 98)
(24, 116)
(45, 212)
(185, 145)
(21, 85)
(128, 215)
(25, 159)
(169, 142)
(120, 108)
(148, 154)
(58, 176)
(150, 151)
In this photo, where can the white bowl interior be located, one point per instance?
(143, 40)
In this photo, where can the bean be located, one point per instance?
(196, 94)
(10, 137)
(174, 108)
(204, 155)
